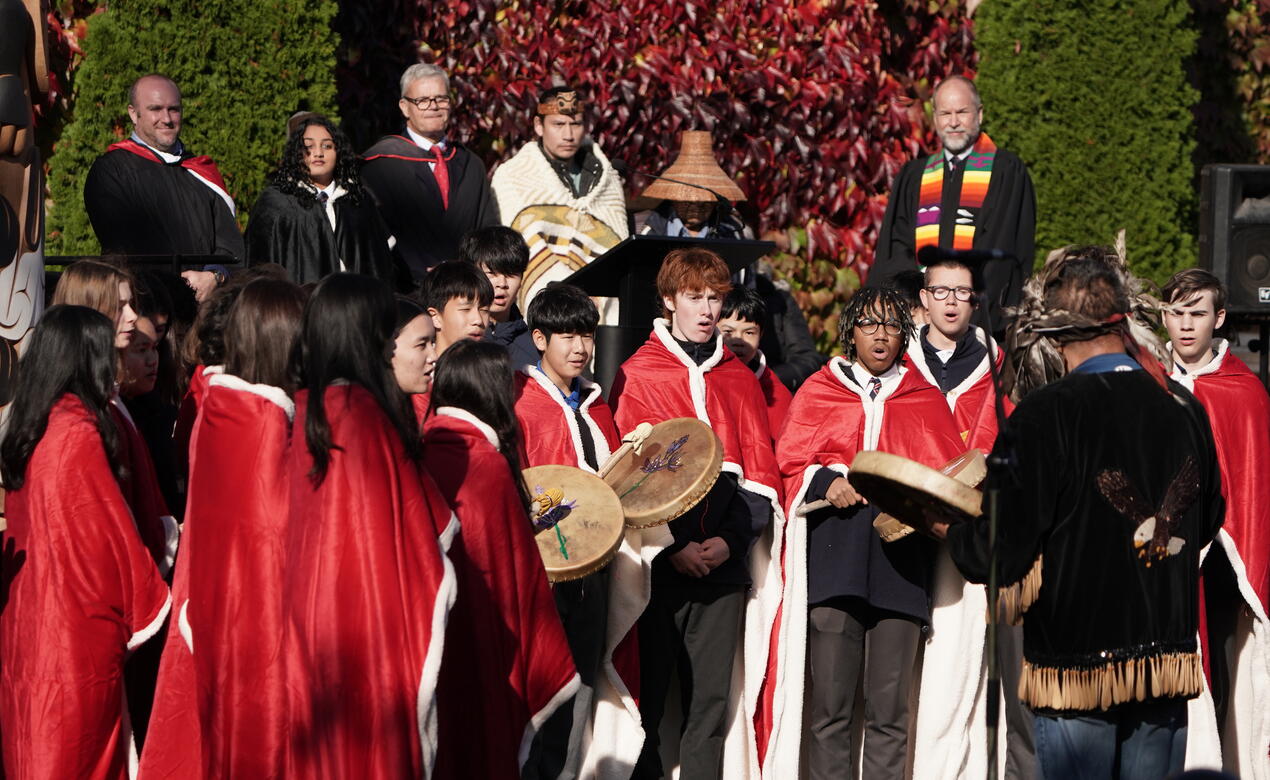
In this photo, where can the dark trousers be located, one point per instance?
(847, 639)
(695, 628)
(584, 609)
(1020, 747)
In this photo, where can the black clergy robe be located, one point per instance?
(295, 233)
(144, 206)
(1007, 221)
(399, 178)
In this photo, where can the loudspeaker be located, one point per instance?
(1234, 234)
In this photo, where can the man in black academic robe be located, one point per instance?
(430, 189)
(1006, 220)
(150, 195)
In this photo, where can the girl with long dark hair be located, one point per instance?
(110, 290)
(367, 585)
(505, 638)
(414, 354)
(232, 557)
(81, 591)
(315, 218)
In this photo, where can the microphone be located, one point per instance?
(724, 205)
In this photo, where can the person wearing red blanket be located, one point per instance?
(1234, 630)
(741, 324)
(699, 606)
(367, 588)
(81, 591)
(109, 289)
(952, 354)
(207, 350)
(854, 605)
(564, 420)
(220, 704)
(414, 353)
(507, 666)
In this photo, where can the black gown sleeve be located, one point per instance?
(1009, 215)
(786, 340)
(283, 231)
(265, 230)
(107, 200)
(896, 239)
(486, 208)
(229, 240)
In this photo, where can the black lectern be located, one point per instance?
(628, 272)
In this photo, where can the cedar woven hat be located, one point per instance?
(694, 165)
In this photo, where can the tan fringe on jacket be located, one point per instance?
(1115, 682)
(1014, 600)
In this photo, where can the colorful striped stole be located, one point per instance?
(974, 189)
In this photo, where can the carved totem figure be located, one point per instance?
(23, 80)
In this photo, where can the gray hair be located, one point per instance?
(423, 70)
(974, 91)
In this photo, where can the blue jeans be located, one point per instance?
(1140, 741)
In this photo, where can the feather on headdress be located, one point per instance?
(1037, 330)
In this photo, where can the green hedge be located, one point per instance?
(1094, 97)
(243, 66)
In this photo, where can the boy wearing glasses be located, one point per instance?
(853, 605)
(429, 188)
(953, 355)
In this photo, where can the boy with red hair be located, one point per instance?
(698, 605)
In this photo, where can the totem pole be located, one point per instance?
(23, 80)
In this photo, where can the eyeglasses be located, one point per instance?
(869, 327)
(940, 292)
(429, 102)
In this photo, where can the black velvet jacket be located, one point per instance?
(1108, 619)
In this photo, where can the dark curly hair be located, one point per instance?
(889, 301)
(292, 174)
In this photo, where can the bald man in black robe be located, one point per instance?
(1005, 220)
(150, 194)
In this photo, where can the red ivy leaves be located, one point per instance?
(807, 106)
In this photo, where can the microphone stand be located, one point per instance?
(1002, 458)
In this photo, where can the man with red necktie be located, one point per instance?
(430, 189)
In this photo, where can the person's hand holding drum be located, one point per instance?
(935, 523)
(842, 495)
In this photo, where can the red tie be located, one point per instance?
(441, 173)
